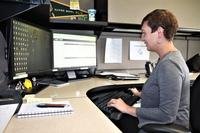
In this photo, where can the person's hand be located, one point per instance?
(135, 92)
(120, 105)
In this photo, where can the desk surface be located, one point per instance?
(86, 115)
(80, 88)
(87, 118)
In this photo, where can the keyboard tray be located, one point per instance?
(101, 95)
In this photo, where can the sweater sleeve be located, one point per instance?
(169, 81)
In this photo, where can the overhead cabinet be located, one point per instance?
(132, 11)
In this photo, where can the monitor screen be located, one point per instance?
(71, 51)
(30, 49)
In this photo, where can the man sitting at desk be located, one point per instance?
(165, 96)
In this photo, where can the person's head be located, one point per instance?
(158, 22)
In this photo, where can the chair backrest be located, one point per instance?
(195, 106)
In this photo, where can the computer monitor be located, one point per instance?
(30, 49)
(72, 51)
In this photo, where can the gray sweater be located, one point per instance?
(165, 95)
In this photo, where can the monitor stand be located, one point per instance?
(71, 74)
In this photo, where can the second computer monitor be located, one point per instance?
(72, 51)
(30, 49)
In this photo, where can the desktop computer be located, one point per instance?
(74, 53)
(29, 49)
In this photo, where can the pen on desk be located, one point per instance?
(51, 105)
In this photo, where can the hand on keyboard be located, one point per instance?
(102, 99)
(119, 104)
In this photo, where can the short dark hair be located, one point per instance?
(162, 18)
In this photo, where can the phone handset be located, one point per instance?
(149, 68)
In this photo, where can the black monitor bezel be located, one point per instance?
(11, 50)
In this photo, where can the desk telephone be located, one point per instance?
(149, 68)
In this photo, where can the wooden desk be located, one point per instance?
(87, 118)
(74, 89)
(80, 88)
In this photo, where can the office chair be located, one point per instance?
(194, 116)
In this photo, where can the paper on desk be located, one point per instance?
(6, 113)
(117, 74)
(31, 110)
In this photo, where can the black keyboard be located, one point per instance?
(51, 81)
(101, 99)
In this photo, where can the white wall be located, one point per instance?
(132, 11)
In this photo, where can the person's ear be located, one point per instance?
(160, 31)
